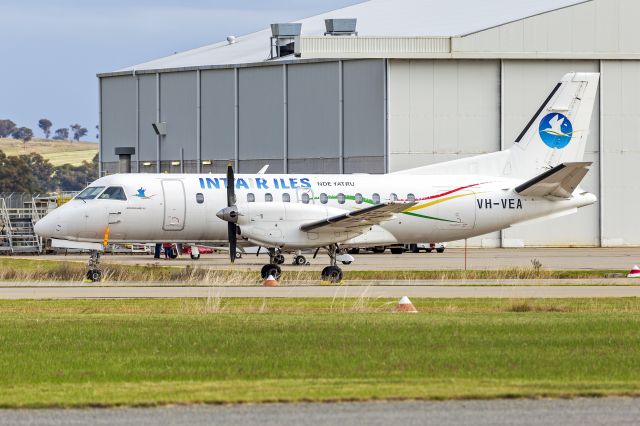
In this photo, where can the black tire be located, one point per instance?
(278, 259)
(271, 269)
(397, 250)
(195, 256)
(300, 260)
(346, 262)
(414, 248)
(94, 275)
(332, 274)
(353, 250)
(174, 254)
(378, 249)
(440, 250)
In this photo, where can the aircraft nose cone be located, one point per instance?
(44, 227)
(229, 214)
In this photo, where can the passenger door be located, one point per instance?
(174, 205)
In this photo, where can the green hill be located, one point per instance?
(57, 152)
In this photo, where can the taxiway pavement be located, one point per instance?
(452, 258)
(378, 291)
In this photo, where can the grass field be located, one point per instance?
(57, 152)
(148, 352)
(13, 269)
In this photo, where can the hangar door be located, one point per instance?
(174, 205)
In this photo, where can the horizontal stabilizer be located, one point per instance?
(362, 218)
(559, 181)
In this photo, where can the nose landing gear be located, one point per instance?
(94, 274)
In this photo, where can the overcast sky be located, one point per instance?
(51, 50)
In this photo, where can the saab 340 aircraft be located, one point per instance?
(536, 178)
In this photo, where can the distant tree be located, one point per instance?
(78, 131)
(75, 178)
(61, 134)
(25, 134)
(13, 166)
(6, 128)
(45, 125)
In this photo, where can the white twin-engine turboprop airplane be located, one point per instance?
(536, 178)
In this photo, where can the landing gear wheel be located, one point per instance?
(278, 259)
(238, 255)
(94, 275)
(332, 274)
(271, 269)
(299, 260)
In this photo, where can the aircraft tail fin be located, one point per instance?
(557, 132)
(558, 182)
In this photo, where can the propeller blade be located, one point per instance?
(231, 230)
(231, 186)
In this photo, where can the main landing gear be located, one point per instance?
(275, 258)
(94, 274)
(332, 273)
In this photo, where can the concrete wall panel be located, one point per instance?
(178, 110)
(147, 116)
(261, 113)
(364, 109)
(313, 112)
(217, 97)
(621, 156)
(118, 115)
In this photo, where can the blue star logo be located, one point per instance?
(141, 193)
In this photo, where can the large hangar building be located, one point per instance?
(417, 82)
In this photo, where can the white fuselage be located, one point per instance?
(164, 207)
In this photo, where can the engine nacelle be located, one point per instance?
(278, 224)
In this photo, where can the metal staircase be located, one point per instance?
(16, 229)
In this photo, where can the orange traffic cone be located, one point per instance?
(634, 273)
(270, 282)
(405, 305)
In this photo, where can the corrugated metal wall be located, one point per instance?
(318, 118)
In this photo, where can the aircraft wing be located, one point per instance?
(559, 181)
(355, 220)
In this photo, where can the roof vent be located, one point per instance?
(231, 39)
(283, 39)
(338, 27)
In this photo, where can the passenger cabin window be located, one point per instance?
(251, 198)
(305, 198)
(358, 198)
(341, 198)
(324, 198)
(286, 198)
(199, 198)
(411, 198)
(89, 193)
(376, 198)
(393, 197)
(113, 193)
(268, 197)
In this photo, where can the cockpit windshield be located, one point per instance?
(113, 193)
(89, 193)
